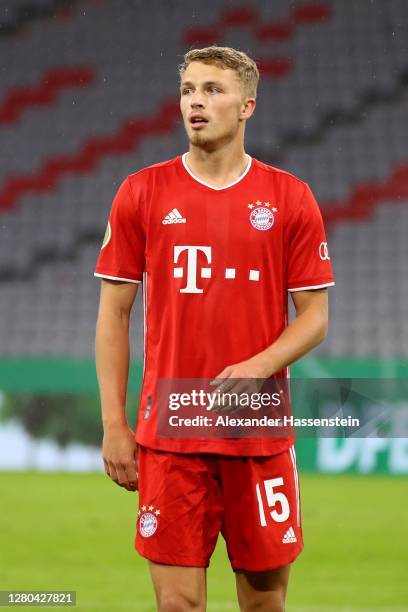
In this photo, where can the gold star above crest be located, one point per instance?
(151, 508)
(250, 206)
(157, 512)
(139, 513)
(274, 210)
(267, 204)
(258, 203)
(143, 508)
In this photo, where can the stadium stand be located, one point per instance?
(369, 312)
(335, 115)
(44, 93)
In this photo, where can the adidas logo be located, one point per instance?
(173, 217)
(289, 537)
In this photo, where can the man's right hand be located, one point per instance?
(119, 451)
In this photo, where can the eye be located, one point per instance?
(186, 91)
(213, 89)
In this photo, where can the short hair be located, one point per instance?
(226, 57)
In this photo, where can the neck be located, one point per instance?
(219, 167)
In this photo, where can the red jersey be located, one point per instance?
(216, 266)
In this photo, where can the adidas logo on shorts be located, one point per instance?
(173, 217)
(289, 537)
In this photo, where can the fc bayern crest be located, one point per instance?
(148, 522)
(261, 218)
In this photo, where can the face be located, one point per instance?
(213, 105)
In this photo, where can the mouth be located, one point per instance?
(197, 121)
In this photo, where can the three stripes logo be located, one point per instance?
(173, 217)
(289, 537)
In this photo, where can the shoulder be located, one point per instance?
(149, 172)
(283, 177)
(296, 195)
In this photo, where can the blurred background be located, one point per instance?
(88, 95)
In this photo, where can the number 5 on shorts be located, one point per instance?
(273, 497)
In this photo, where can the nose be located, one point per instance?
(197, 100)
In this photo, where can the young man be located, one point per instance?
(217, 239)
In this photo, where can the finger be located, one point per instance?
(129, 487)
(132, 486)
(223, 402)
(220, 376)
(230, 395)
(243, 390)
(106, 466)
(220, 379)
(226, 406)
(123, 480)
(131, 470)
(112, 472)
(218, 394)
(132, 475)
(228, 386)
(235, 404)
(127, 476)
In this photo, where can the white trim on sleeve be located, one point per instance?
(128, 280)
(311, 287)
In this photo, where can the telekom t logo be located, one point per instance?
(191, 286)
(192, 269)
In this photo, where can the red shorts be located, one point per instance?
(186, 500)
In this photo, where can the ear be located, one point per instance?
(247, 108)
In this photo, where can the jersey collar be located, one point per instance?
(249, 164)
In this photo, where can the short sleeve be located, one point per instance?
(122, 255)
(309, 265)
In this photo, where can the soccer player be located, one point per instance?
(217, 239)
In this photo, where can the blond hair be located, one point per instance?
(226, 57)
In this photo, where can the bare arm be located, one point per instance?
(112, 365)
(308, 329)
(304, 333)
